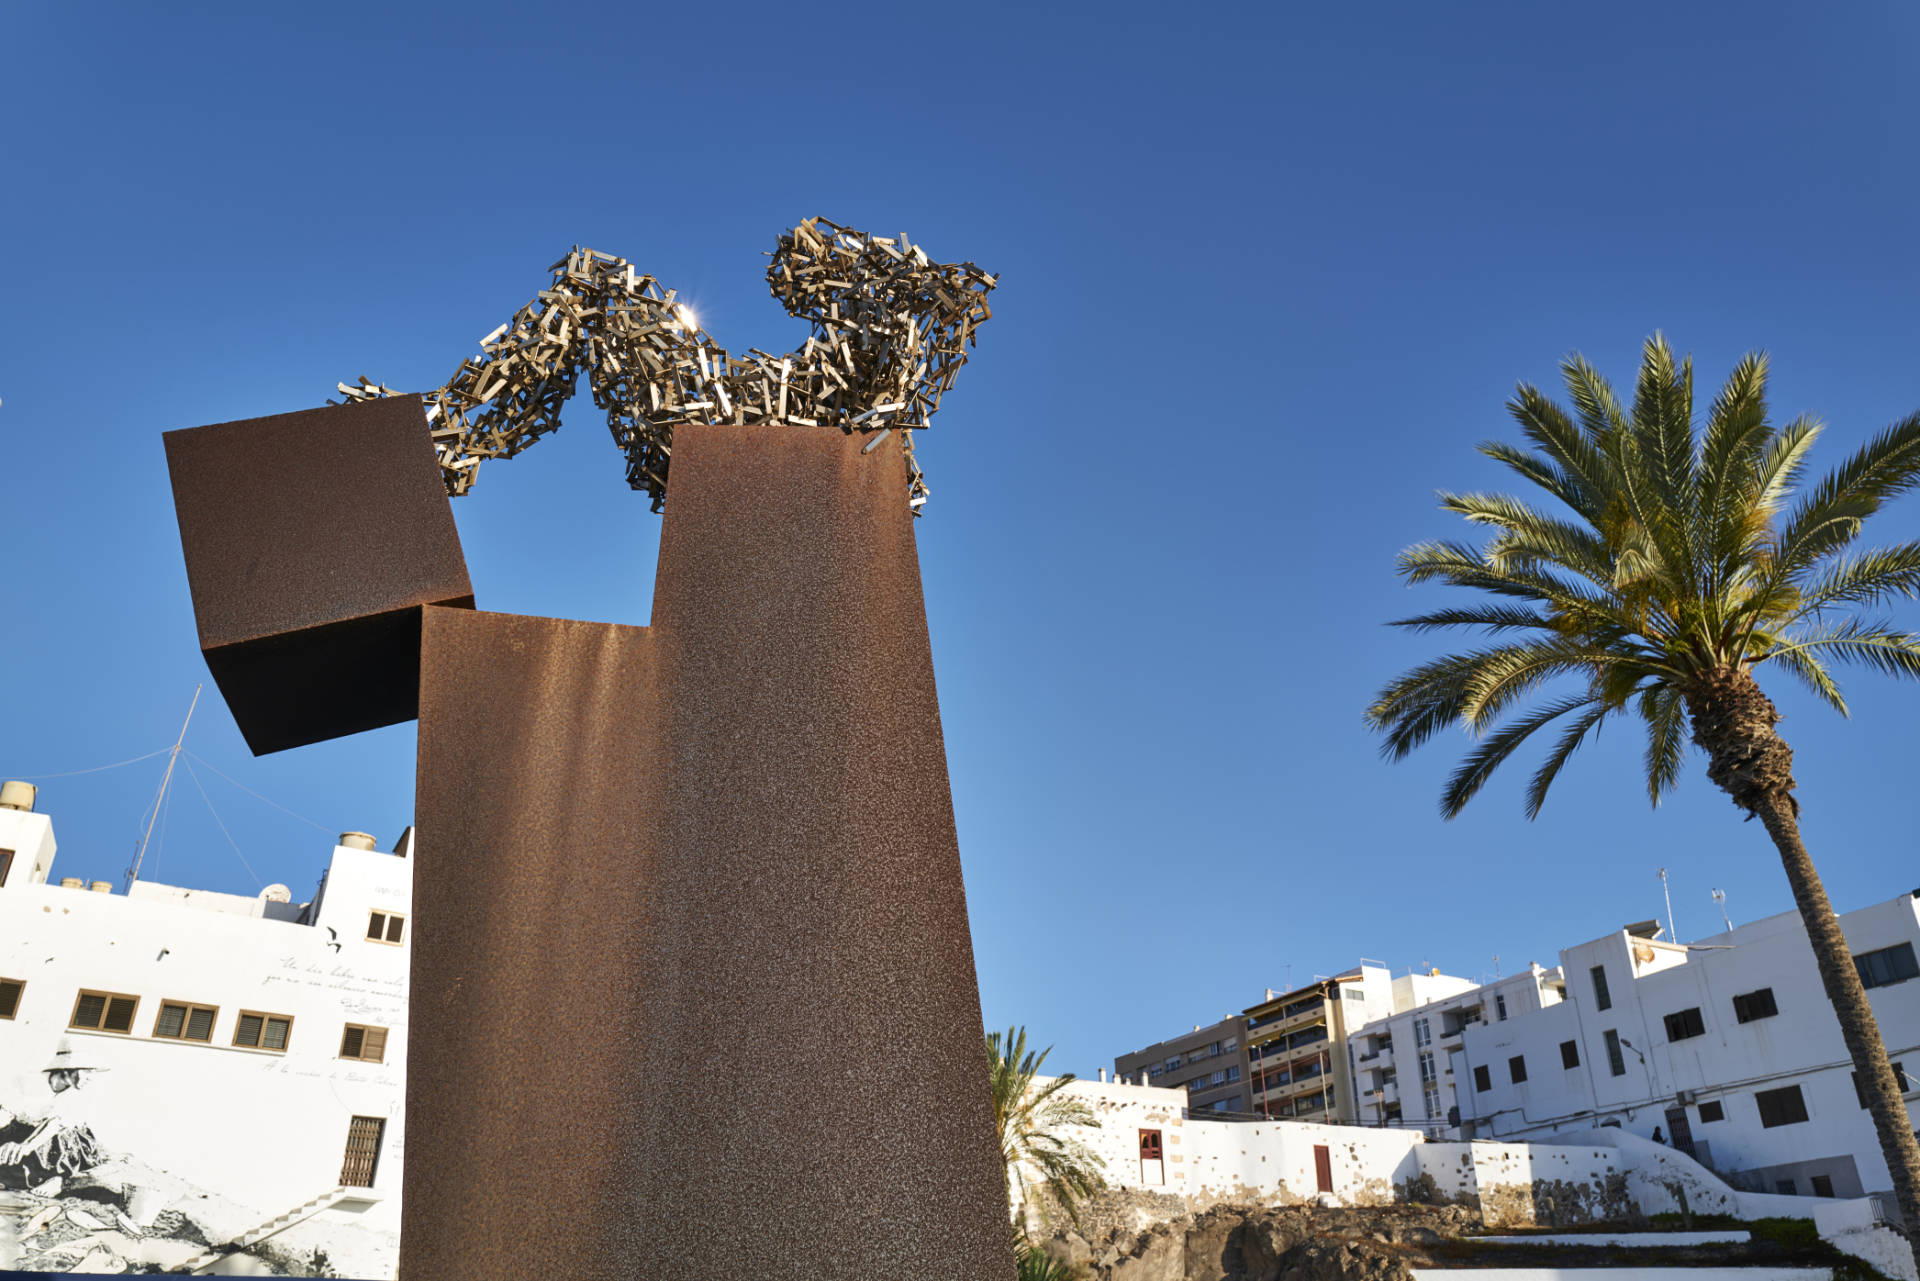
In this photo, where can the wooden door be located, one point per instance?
(363, 1151)
(1323, 1167)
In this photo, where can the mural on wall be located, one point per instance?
(72, 1201)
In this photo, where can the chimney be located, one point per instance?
(1103, 1076)
(358, 840)
(15, 795)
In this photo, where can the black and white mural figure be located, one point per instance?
(38, 1153)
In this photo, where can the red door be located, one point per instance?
(1323, 1166)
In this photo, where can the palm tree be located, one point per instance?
(1032, 1118)
(1692, 559)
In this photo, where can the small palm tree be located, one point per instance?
(1033, 1120)
(1683, 571)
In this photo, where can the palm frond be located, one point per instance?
(1804, 665)
(1473, 772)
(1576, 734)
(1829, 517)
(1493, 618)
(1866, 578)
(1885, 649)
(1664, 711)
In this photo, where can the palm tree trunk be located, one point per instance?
(1733, 722)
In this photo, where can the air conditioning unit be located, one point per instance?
(1684, 1097)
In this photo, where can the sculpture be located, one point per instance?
(692, 986)
(891, 329)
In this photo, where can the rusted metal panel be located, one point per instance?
(312, 540)
(537, 809)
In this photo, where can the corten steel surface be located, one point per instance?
(537, 807)
(689, 912)
(307, 596)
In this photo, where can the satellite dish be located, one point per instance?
(277, 894)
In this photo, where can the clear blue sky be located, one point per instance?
(1268, 273)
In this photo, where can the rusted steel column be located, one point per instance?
(816, 1094)
(537, 804)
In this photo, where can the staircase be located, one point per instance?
(200, 1263)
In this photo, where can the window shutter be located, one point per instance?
(395, 924)
(120, 1014)
(10, 998)
(376, 925)
(172, 1019)
(248, 1031)
(350, 1043)
(88, 1012)
(276, 1035)
(200, 1024)
(376, 1049)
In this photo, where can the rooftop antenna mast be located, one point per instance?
(173, 758)
(1671, 936)
(1720, 898)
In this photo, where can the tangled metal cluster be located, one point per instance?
(891, 329)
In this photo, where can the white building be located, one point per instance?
(182, 1070)
(1403, 1064)
(1728, 1046)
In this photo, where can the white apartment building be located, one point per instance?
(1727, 1046)
(184, 1072)
(1401, 1064)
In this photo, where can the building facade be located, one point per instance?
(1727, 1047)
(1207, 1063)
(185, 1073)
(1403, 1063)
(1296, 1044)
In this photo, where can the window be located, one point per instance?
(266, 1032)
(1602, 999)
(1422, 1032)
(1170, 1064)
(1427, 1071)
(1822, 1185)
(1781, 1107)
(385, 927)
(1682, 1024)
(1219, 1078)
(1517, 1068)
(1150, 1149)
(1500, 1009)
(1615, 1064)
(1900, 1079)
(1482, 1079)
(1888, 965)
(1233, 1073)
(368, 1044)
(1712, 1112)
(104, 1011)
(6, 865)
(1431, 1098)
(179, 1021)
(1748, 1006)
(363, 1151)
(1569, 1054)
(10, 990)
(1785, 1187)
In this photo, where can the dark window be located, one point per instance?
(363, 1151)
(368, 1044)
(1569, 1054)
(385, 927)
(1682, 1024)
(6, 865)
(1899, 1079)
(1781, 1107)
(1602, 999)
(1785, 1187)
(104, 1011)
(1755, 1005)
(1500, 1008)
(1517, 1068)
(10, 990)
(1888, 965)
(179, 1021)
(1822, 1185)
(266, 1032)
(1615, 1064)
(1482, 1079)
(1712, 1112)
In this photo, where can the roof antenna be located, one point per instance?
(1720, 897)
(133, 873)
(1671, 936)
